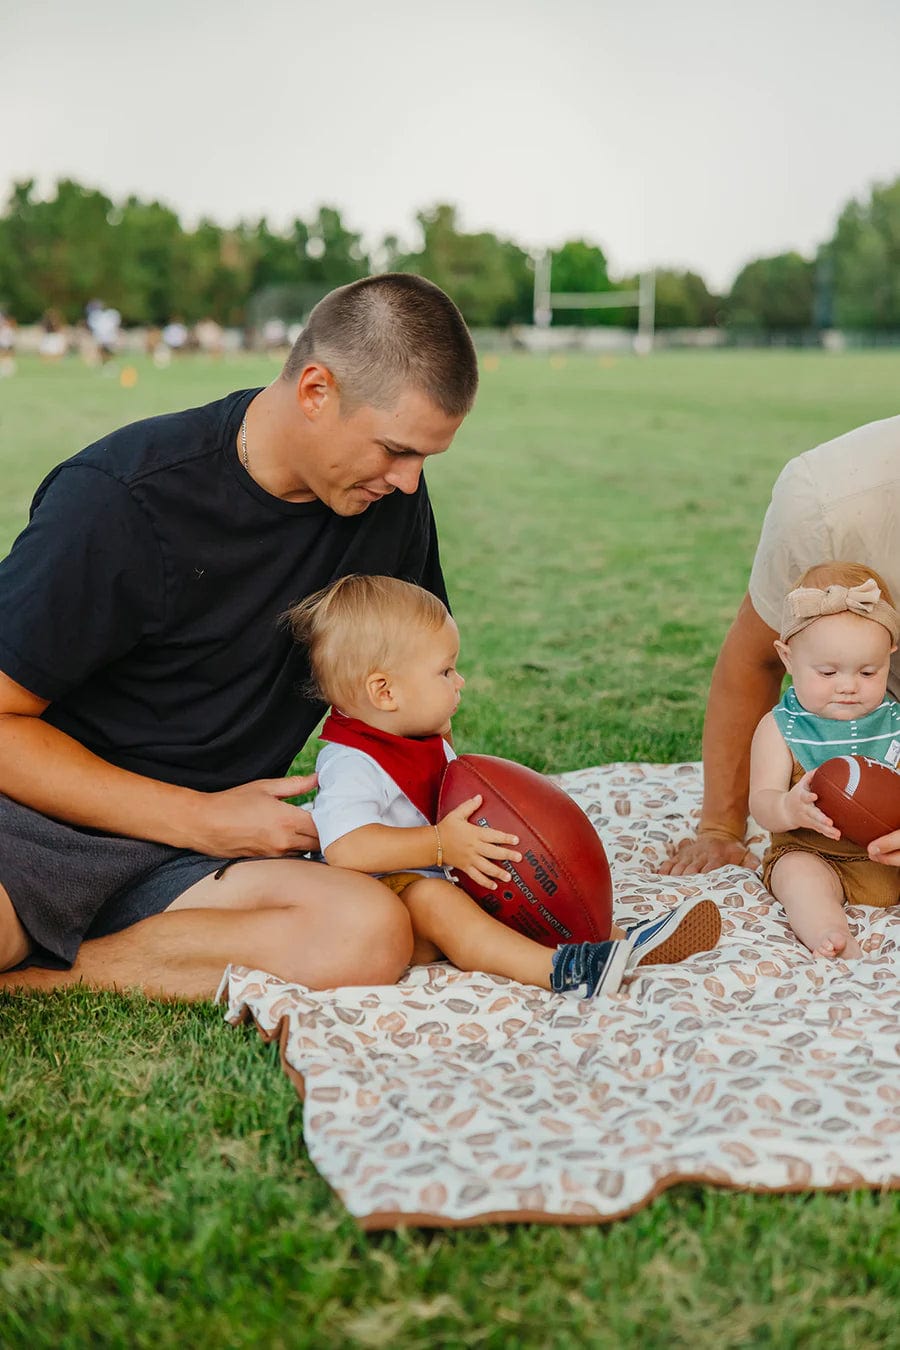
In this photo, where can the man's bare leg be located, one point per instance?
(14, 941)
(301, 921)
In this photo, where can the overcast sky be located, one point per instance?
(696, 133)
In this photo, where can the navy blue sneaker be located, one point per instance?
(692, 927)
(595, 967)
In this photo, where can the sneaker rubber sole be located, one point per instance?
(614, 973)
(698, 931)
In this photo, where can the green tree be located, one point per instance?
(684, 301)
(490, 279)
(292, 271)
(334, 255)
(863, 261)
(56, 253)
(152, 264)
(581, 267)
(77, 244)
(773, 295)
(221, 264)
(278, 259)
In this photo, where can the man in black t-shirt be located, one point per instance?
(150, 702)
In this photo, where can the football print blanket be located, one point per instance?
(463, 1098)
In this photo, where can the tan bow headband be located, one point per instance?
(806, 604)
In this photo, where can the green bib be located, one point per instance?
(813, 739)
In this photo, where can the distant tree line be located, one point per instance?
(61, 251)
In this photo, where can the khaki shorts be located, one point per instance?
(398, 881)
(863, 881)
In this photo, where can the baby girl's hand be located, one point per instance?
(803, 814)
(475, 849)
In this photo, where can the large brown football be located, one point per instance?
(861, 796)
(561, 891)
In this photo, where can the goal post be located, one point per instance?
(546, 300)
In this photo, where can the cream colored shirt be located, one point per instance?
(840, 501)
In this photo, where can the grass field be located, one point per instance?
(598, 518)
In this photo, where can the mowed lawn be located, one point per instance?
(598, 518)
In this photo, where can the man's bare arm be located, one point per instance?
(745, 684)
(47, 770)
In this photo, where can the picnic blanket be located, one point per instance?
(456, 1098)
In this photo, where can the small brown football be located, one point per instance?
(861, 796)
(561, 891)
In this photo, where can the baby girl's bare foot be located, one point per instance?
(836, 942)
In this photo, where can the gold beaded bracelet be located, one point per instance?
(440, 848)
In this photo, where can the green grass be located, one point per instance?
(598, 519)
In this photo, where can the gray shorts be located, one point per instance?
(67, 883)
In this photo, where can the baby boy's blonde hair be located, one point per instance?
(358, 625)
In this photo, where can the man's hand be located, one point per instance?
(474, 849)
(744, 686)
(253, 821)
(886, 849)
(47, 770)
(707, 851)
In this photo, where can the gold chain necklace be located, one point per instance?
(245, 458)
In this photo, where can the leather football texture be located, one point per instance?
(561, 891)
(861, 796)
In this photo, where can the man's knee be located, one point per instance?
(306, 922)
(377, 940)
(367, 940)
(14, 941)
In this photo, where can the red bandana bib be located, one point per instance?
(415, 765)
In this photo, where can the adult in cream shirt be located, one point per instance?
(838, 501)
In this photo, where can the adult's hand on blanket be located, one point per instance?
(475, 849)
(707, 851)
(253, 821)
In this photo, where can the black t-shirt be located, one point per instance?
(143, 598)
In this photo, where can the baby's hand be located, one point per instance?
(475, 849)
(803, 814)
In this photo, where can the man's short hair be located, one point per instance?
(358, 625)
(387, 333)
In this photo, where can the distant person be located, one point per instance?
(149, 705)
(54, 342)
(384, 654)
(837, 634)
(105, 324)
(83, 344)
(175, 336)
(7, 345)
(274, 334)
(89, 347)
(840, 500)
(209, 337)
(155, 348)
